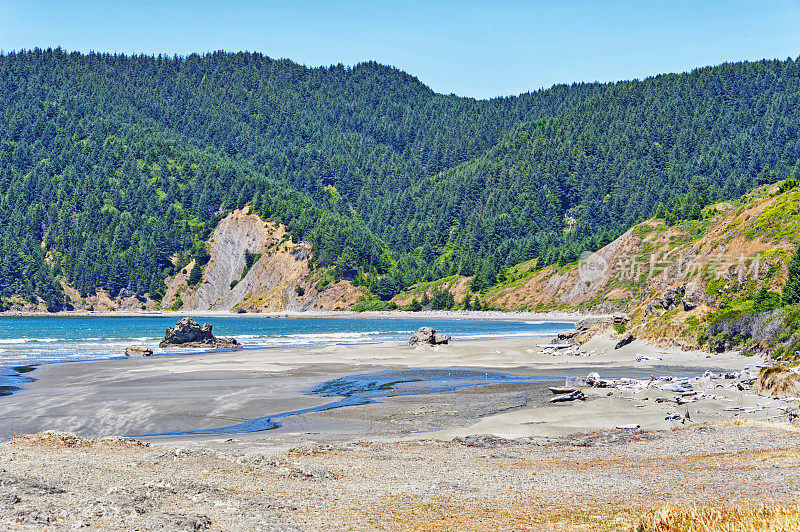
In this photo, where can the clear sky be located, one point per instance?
(471, 48)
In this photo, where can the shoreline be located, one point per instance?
(344, 314)
(208, 390)
(17, 379)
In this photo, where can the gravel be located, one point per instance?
(55, 481)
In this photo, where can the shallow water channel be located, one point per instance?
(355, 390)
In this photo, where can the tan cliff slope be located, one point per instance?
(749, 240)
(736, 245)
(279, 280)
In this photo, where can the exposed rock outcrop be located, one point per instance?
(277, 277)
(188, 333)
(138, 351)
(691, 295)
(428, 335)
(620, 317)
(625, 340)
(587, 323)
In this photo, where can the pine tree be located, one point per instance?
(196, 274)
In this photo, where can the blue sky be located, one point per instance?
(479, 49)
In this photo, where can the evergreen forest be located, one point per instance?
(110, 165)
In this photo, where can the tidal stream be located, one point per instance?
(356, 390)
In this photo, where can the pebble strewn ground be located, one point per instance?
(591, 481)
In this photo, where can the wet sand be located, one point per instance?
(202, 391)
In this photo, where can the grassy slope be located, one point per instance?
(733, 250)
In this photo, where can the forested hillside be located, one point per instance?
(115, 169)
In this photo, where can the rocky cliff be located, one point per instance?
(670, 278)
(279, 279)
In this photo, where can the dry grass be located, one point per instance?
(778, 380)
(774, 425)
(681, 518)
(442, 514)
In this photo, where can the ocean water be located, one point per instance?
(26, 341)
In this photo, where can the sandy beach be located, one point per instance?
(494, 456)
(201, 391)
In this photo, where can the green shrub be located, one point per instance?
(374, 304)
(178, 303)
(766, 299)
(619, 327)
(323, 283)
(791, 290)
(200, 252)
(300, 291)
(250, 258)
(787, 185)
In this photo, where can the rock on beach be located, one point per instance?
(188, 333)
(428, 335)
(138, 351)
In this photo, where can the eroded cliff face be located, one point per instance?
(102, 301)
(278, 280)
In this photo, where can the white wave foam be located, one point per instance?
(28, 340)
(13, 340)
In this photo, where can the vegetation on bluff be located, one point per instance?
(114, 169)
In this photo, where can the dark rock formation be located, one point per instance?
(672, 296)
(187, 333)
(625, 340)
(427, 335)
(138, 351)
(620, 317)
(566, 337)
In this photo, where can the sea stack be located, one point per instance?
(188, 333)
(428, 335)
